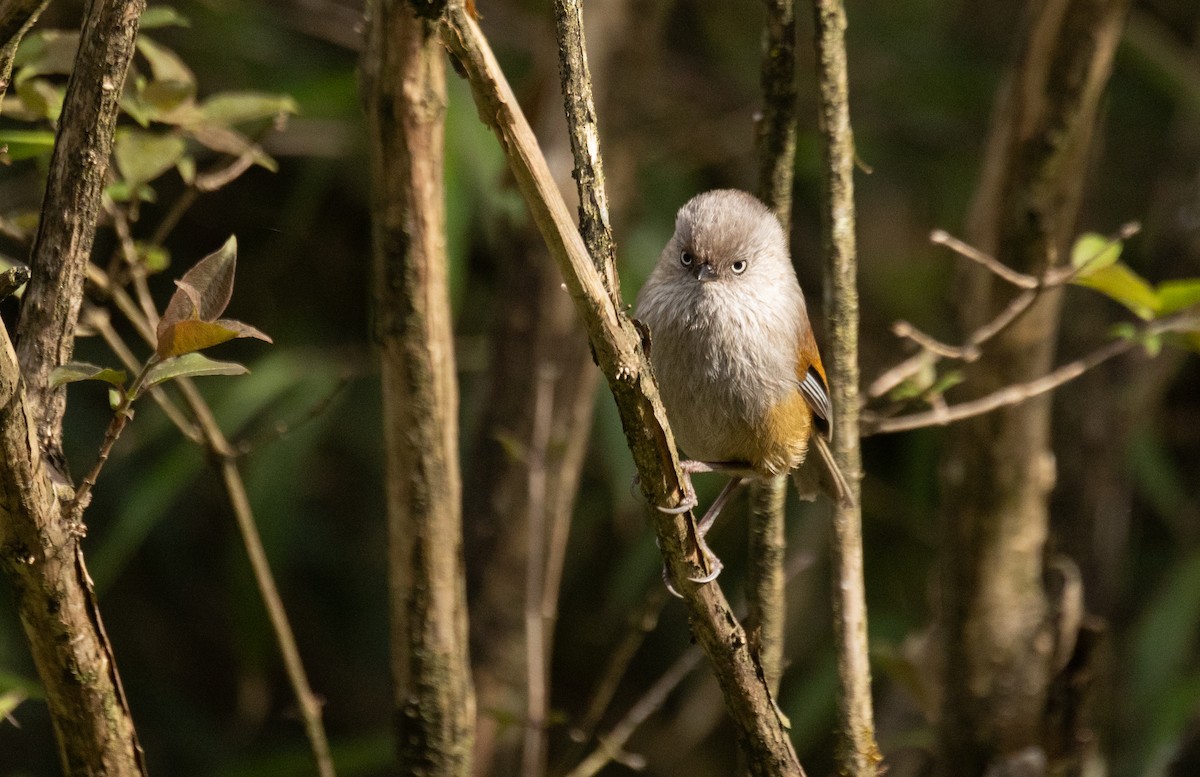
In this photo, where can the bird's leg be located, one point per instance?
(711, 563)
(710, 517)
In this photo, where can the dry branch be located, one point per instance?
(859, 755)
(39, 548)
(78, 171)
(617, 345)
(404, 91)
(775, 141)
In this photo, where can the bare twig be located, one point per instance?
(533, 754)
(859, 755)
(987, 261)
(1005, 397)
(619, 659)
(1031, 287)
(212, 437)
(611, 744)
(616, 343)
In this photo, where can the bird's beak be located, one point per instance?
(705, 272)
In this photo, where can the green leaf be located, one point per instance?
(48, 52)
(121, 191)
(155, 258)
(239, 107)
(1123, 285)
(73, 372)
(25, 144)
(1093, 252)
(187, 168)
(41, 98)
(1176, 295)
(143, 156)
(158, 16)
(205, 290)
(9, 701)
(230, 141)
(161, 99)
(165, 65)
(190, 365)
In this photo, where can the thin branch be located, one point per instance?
(214, 440)
(533, 754)
(584, 130)
(617, 346)
(1005, 397)
(986, 260)
(971, 350)
(17, 17)
(611, 745)
(859, 755)
(775, 141)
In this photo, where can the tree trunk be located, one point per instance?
(404, 89)
(997, 624)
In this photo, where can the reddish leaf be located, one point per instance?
(243, 329)
(205, 290)
(191, 334)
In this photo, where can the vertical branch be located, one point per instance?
(404, 91)
(776, 143)
(38, 548)
(78, 170)
(859, 754)
(584, 130)
(996, 621)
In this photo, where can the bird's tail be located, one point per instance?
(820, 474)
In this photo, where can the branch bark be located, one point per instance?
(78, 171)
(617, 345)
(998, 471)
(404, 90)
(775, 140)
(39, 548)
(859, 754)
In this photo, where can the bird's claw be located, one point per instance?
(711, 561)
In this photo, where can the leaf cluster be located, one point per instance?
(169, 126)
(1098, 266)
(190, 324)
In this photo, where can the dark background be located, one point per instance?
(198, 660)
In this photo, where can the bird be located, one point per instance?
(734, 355)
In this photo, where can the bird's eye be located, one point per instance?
(738, 267)
(686, 258)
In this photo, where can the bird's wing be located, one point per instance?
(813, 386)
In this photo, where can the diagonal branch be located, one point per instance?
(617, 345)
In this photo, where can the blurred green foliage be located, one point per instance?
(677, 98)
